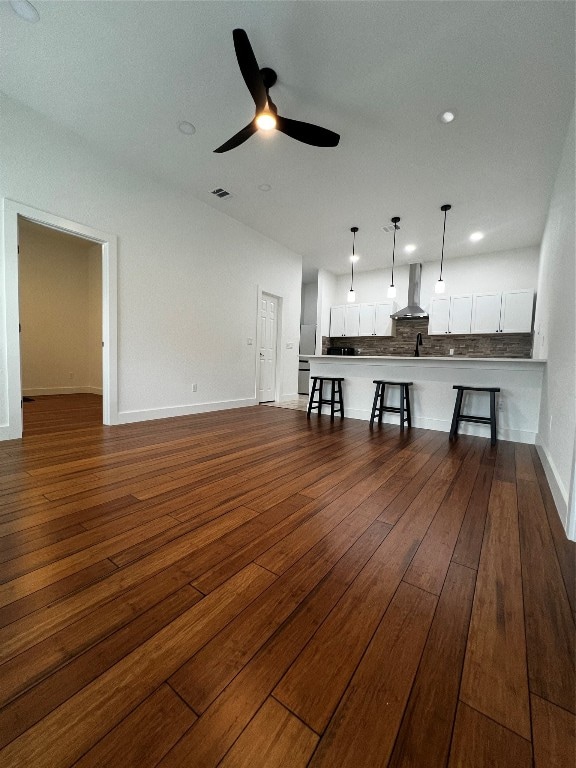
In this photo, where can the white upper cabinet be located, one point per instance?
(362, 319)
(383, 323)
(460, 313)
(367, 312)
(516, 315)
(508, 312)
(486, 312)
(439, 315)
(351, 319)
(337, 321)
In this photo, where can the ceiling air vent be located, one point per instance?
(389, 228)
(221, 193)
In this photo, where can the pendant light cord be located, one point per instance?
(446, 208)
(354, 230)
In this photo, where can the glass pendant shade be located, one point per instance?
(391, 291)
(440, 286)
(351, 296)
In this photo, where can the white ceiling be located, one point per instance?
(124, 74)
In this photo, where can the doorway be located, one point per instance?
(10, 399)
(60, 308)
(268, 319)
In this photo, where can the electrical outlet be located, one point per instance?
(249, 342)
(194, 387)
(451, 351)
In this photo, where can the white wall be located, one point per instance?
(188, 276)
(502, 271)
(55, 313)
(327, 296)
(555, 338)
(95, 318)
(309, 303)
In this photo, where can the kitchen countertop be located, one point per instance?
(451, 358)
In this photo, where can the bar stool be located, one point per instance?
(336, 391)
(458, 416)
(378, 407)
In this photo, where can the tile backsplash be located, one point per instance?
(465, 345)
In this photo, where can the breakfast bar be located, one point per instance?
(432, 394)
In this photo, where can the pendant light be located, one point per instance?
(353, 260)
(392, 287)
(440, 287)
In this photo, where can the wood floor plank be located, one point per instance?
(30, 630)
(201, 679)
(430, 563)
(48, 574)
(63, 736)
(479, 742)
(54, 592)
(145, 736)
(218, 728)
(554, 734)
(314, 684)
(381, 683)
(426, 731)
(20, 673)
(274, 739)
(45, 696)
(469, 543)
(400, 593)
(550, 629)
(495, 677)
(565, 549)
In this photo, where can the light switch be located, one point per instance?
(249, 342)
(290, 345)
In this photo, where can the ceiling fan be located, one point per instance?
(259, 81)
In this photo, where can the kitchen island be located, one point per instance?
(432, 396)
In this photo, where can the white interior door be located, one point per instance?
(268, 336)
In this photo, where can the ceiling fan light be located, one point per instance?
(391, 291)
(266, 121)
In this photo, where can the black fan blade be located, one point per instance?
(239, 138)
(249, 68)
(307, 133)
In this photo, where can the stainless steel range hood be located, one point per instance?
(413, 311)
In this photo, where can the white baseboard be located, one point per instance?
(443, 425)
(559, 492)
(288, 398)
(39, 391)
(129, 417)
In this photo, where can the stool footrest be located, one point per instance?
(476, 419)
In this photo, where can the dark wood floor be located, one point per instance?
(249, 588)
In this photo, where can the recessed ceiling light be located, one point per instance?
(447, 117)
(25, 10)
(476, 236)
(264, 187)
(409, 248)
(187, 128)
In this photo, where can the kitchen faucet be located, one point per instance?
(418, 344)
